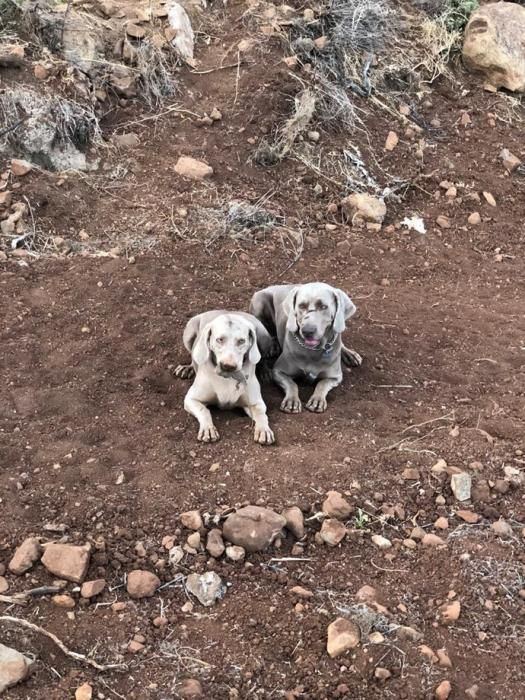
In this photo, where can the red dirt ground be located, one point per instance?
(86, 356)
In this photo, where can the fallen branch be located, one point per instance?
(212, 70)
(13, 600)
(72, 654)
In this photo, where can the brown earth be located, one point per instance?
(88, 346)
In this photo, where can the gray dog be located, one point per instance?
(308, 321)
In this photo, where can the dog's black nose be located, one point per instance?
(226, 367)
(308, 331)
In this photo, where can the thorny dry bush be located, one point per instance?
(356, 55)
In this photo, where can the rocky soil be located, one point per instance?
(378, 549)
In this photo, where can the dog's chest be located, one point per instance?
(228, 393)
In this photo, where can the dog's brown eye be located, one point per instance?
(220, 341)
(303, 307)
(323, 307)
(241, 341)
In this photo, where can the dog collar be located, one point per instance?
(325, 349)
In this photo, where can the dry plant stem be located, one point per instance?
(212, 70)
(72, 654)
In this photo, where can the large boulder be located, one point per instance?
(494, 45)
(253, 527)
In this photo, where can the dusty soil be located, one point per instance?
(88, 345)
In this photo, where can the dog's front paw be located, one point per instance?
(291, 405)
(208, 434)
(351, 358)
(184, 371)
(317, 405)
(264, 436)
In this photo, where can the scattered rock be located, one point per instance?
(301, 592)
(443, 221)
(194, 540)
(4, 585)
(501, 528)
(468, 516)
(461, 485)
(474, 219)
(481, 492)
(366, 594)
(142, 584)
(382, 674)
(409, 543)
(235, 553)
(90, 589)
(215, 543)
(510, 161)
(450, 612)
(135, 31)
(443, 658)
(332, 532)
(5, 199)
(428, 653)
(381, 542)
(408, 634)
(63, 601)
(335, 506)
(175, 555)
(192, 168)
(190, 688)
(192, 520)
(361, 208)
(493, 45)
(253, 527)
(294, 521)
(207, 588)
(410, 474)
(343, 635)
(376, 638)
(67, 561)
(181, 33)
(84, 692)
(472, 692)
(443, 690)
(391, 141)
(19, 168)
(441, 523)
(489, 198)
(11, 55)
(135, 647)
(129, 140)
(430, 540)
(25, 556)
(14, 667)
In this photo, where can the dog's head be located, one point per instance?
(317, 310)
(228, 342)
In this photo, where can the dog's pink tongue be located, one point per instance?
(311, 343)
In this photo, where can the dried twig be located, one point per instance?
(72, 654)
(212, 70)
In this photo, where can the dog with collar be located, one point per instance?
(308, 321)
(225, 348)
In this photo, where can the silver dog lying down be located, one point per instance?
(225, 349)
(308, 320)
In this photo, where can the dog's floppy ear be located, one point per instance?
(344, 309)
(289, 310)
(254, 354)
(201, 349)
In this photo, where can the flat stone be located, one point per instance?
(253, 527)
(142, 584)
(342, 635)
(67, 561)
